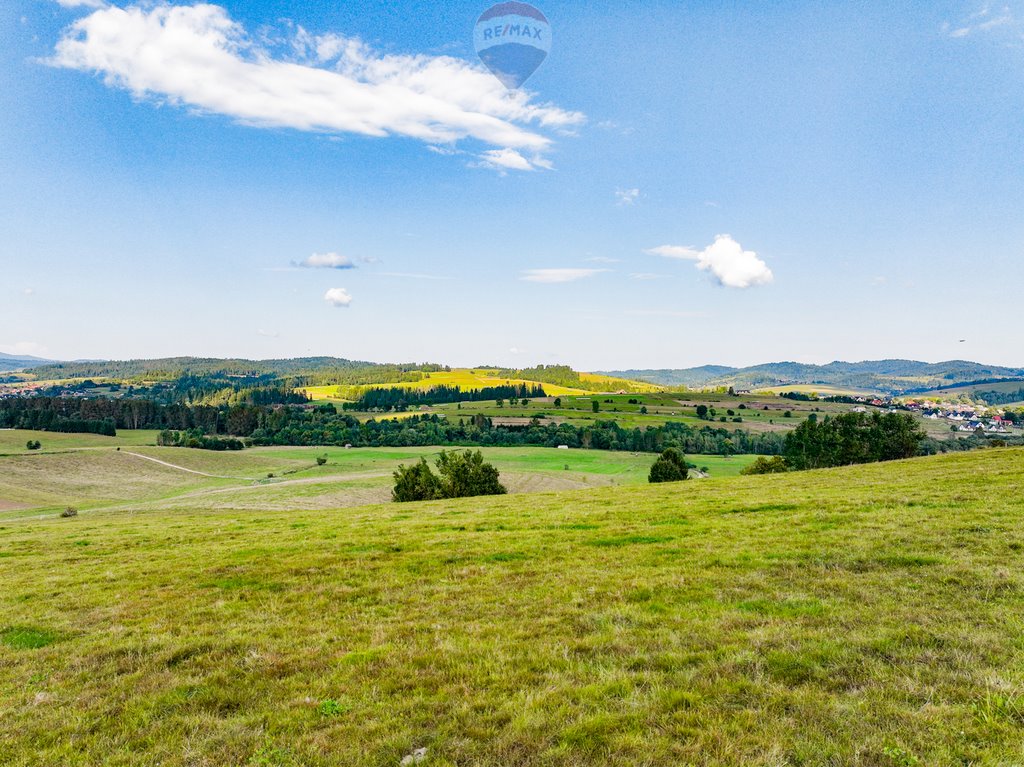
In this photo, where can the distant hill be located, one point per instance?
(885, 376)
(173, 367)
(311, 372)
(20, 361)
(888, 376)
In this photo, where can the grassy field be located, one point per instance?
(12, 441)
(758, 413)
(957, 391)
(863, 616)
(126, 475)
(821, 390)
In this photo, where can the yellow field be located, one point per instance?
(821, 389)
(615, 384)
(466, 379)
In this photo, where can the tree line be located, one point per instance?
(324, 425)
(399, 399)
(853, 438)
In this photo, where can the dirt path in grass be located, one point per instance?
(265, 484)
(190, 471)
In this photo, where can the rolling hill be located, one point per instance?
(20, 362)
(885, 376)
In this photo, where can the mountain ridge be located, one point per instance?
(890, 376)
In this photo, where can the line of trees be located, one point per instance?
(196, 439)
(324, 425)
(68, 420)
(105, 415)
(399, 399)
(853, 438)
(1000, 397)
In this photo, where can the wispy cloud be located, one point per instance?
(627, 197)
(82, 3)
(412, 276)
(327, 261)
(984, 20)
(338, 297)
(644, 276)
(552, 276)
(509, 159)
(197, 56)
(725, 259)
(664, 313)
(24, 348)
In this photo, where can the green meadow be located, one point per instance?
(12, 441)
(129, 473)
(870, 615)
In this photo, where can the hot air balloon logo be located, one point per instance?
(512, 40)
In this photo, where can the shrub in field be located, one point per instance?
(415, 483)
(465, 474)
(33, 445)
(460, 475)
(671, 466)
(321, 460)
(763, 465)
(69, 512)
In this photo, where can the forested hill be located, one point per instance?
(304, 370)
(19, 362)
(890, 376)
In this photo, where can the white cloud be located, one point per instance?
(725, 259)
(198, 57)
(627, 196)
(82, 3)
(559, 275)
(516, 350)
(338, 297)
(509, 159)
(24, 348)
(29, 291)
(268, 333)
(327, 261)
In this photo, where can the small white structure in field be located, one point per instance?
(563, 447)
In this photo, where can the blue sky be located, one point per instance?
(679, 184)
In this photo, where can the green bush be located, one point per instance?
(671, 466)
(415, 483)
(460, 475)
(763, 465)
